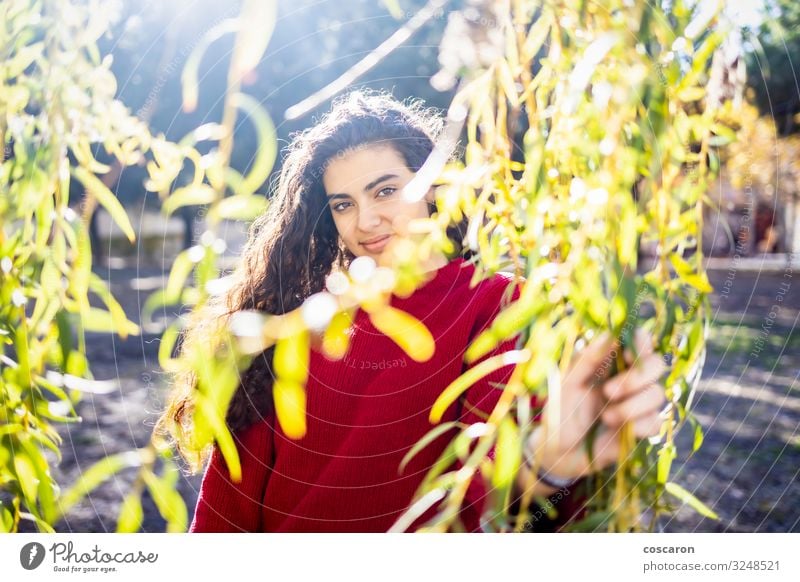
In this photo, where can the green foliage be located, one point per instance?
(621, 112)
(57, 109)
(228, 195)
(773, 64)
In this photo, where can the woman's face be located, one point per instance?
(364, 190)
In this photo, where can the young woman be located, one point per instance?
(339, 197)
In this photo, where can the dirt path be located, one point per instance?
(749, 405)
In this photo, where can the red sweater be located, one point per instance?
(364, 413)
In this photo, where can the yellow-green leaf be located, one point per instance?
(156, 300)
(169, 502)
(107, 199)
(130, 514)
(209, 427)
(181, 268)
(95, 475)
(192, 195)
(6, 519)
(393, 6)
(256, 23)
(191, 70)
(292, 357)
(536, 36)
(267, 150)
(628, 235)
(77, 364)
(507, 323)
(429, 437)
(240, 207)
(666, 455)
(507, 453)
(82, 267)
(417, 509)
(26, 476)
(99, 320)
(406, 331)
(687, 274)
(468, 378)
(168, 340)
(690, 500)
(290, 407)
(506, 80)
(115, 310)
(689, 94)
(697, 442)
(336, 339)
(20, 59)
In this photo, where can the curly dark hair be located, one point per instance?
(294, 245)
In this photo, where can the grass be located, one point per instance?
(730, 337)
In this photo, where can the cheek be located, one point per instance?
(344, 223)
(397, 208)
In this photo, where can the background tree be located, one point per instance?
(774, 65)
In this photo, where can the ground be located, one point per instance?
(748, 402)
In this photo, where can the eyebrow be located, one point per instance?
(368, 187)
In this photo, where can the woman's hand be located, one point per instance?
(586, 395)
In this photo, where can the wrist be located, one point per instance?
(554, 468)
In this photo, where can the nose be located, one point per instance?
(368, 217)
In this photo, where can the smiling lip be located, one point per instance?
(376, 244)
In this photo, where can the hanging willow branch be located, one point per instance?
(619, 102)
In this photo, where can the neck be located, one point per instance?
(433, 263)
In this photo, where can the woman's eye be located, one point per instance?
(340, 206)
(384, 192)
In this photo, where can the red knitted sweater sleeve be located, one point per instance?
(225, 506)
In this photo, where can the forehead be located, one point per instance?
(354, 169)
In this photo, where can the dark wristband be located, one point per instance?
(550, 480)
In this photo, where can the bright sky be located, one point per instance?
(744, 12)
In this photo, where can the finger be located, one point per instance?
(648, 426)
(634, 379)
(595, 359)
(647, 402)
(606, 448)
(643, 343)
